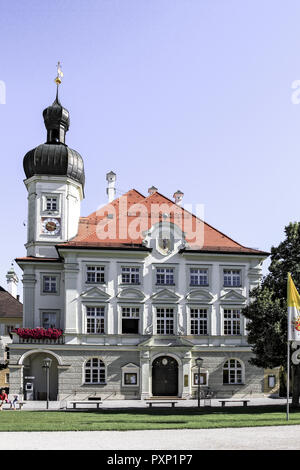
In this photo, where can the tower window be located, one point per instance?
(51, 203)
(50, 284)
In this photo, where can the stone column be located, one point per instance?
(29, 282)
(145, 374)
(71, 268)
(186, 375)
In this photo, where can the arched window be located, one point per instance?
(94, 371)
(232, 372)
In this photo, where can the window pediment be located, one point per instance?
(234, 297)
(165, 295)
(95, 294)
(200, 296)
(131, 294)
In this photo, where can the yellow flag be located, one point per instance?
(293, 304)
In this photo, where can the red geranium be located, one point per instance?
(38, 333)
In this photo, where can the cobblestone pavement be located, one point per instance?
(261, 438)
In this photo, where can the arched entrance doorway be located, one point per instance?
(165, 376)
(35, 373)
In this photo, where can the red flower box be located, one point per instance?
(38, 333)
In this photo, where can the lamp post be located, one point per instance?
(199, 362)
(46, 365)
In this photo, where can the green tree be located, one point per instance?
(267, 311)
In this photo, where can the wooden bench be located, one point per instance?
(8, 405)
(245, 402)
(86, 402)
(156, 402)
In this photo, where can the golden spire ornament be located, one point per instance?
(59, 74)
(57, 80)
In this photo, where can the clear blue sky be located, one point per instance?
(181, 94)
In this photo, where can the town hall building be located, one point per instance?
(130, 295)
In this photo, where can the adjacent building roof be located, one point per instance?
(140, 212)
(10, 307)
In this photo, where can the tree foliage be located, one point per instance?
(267, 311)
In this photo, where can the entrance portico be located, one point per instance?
(165, 367)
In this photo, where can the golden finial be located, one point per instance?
(59, 74)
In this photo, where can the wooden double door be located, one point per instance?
(165, 376)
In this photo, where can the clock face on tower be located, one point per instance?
(51, 226)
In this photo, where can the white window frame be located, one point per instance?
(50, 311)
(57, 282)
(232, 320)
(99, 373)
(190, 319)
(139, 317)
(232, 269)
(46, 196)
(166, 307)
(102, 307)
(122, 282)
(235, 369)
(102, 270)
(199, 268)
(165, 274)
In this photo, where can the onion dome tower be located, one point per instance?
(55, 183)
(54, 157)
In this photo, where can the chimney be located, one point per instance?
(111, 189)
(152, 190)
(178, 197)
(12, 281)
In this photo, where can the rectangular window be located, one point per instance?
(232, 322)
(165, 276)
(198, 277)
(51, 203)
(95, 320)
(50, 284)
(95, 274)
(232, 277)
(165, 321)
(7, 378)
(130, 378)
(49, 320)
(198, 321)
(130, 320)
(130, 275)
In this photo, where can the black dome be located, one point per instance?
(55, 157)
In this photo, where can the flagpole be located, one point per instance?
(288, 355)
(288, 381)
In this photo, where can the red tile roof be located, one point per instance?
(137, 211)
(10, 307)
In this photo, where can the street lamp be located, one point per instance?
(46, 365)
(199, 362)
